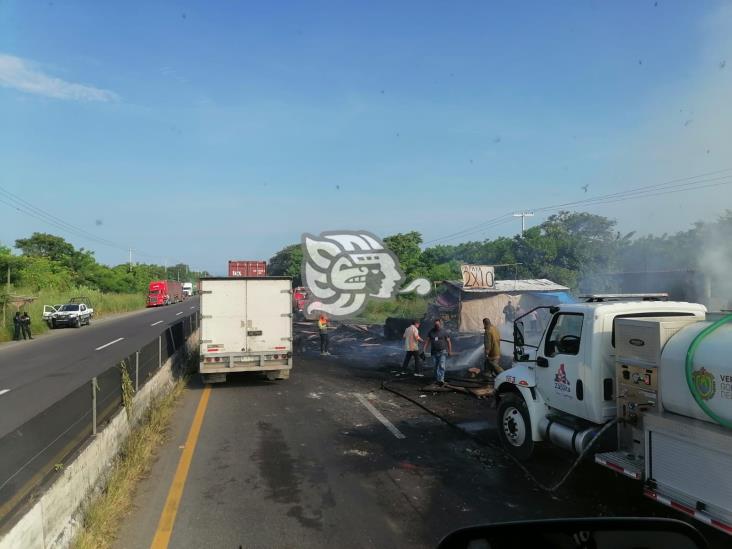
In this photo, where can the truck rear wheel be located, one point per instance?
(514, 426)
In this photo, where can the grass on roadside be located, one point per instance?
(377, 311)
(104, 304)
(104, 515)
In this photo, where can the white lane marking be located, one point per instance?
(110, 343)
(378, 415)
(192, 307)
(3, 391)
(156, 323)
(179, 313)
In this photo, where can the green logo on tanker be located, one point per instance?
(704, 383)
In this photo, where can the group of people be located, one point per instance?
(438, 342)
(21, 325)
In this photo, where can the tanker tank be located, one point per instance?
(709, 376)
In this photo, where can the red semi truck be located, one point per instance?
(164, 292)
(247, 268)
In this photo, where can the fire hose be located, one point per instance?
(553, 488)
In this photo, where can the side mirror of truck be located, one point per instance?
(653, 533)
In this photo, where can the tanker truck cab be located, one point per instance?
(563, 389)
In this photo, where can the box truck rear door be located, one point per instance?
(269, 323)
(223, 313)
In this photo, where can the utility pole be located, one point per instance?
(130, 259)
(523, 216)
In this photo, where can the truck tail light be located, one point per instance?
(275, 356)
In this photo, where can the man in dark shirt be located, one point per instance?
(438, 339)
(25, 326)
(17, 323)
(509, 312)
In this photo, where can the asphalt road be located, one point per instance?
(35, 374)
(307, 463)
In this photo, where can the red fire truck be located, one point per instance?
(164, 292)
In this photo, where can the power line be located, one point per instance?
(21, 205)
(657, 189)
(51, 220)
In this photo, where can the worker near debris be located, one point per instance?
(492, 346)
(323, 329)
(17, 323)
(438, 339)
(25, 325)
(509, 312)
(411, 348)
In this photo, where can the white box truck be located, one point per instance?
(246, 326)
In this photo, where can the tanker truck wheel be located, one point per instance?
(514, 426)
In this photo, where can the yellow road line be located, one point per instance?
(172, 502)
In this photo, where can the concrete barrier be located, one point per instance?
(54, 520)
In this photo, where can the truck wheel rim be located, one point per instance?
(513, 426)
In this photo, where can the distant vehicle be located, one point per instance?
(48, 311)
(247, 268)
(164, 292)
(299, 300)
(246, 326)
(72, 314)
(188, 289)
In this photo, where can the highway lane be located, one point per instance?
(35, 374)
(327, 459)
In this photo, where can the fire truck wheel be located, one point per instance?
(514, 426)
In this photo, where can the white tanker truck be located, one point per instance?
(644, 384)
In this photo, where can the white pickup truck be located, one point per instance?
(71, 314)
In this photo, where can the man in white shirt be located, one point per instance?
(411, 348)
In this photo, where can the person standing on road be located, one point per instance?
(323, 329)
(411, 348)
(509, 312)
(17, 323)
(25, 325)
(492, 346)
(441, 347)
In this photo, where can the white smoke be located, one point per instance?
(715, 261)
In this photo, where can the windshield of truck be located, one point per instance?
(387, 166)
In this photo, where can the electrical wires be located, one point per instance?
(21, 205)
(697, 182)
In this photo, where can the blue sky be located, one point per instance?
(201, 132)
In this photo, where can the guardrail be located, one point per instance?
(36, 450)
